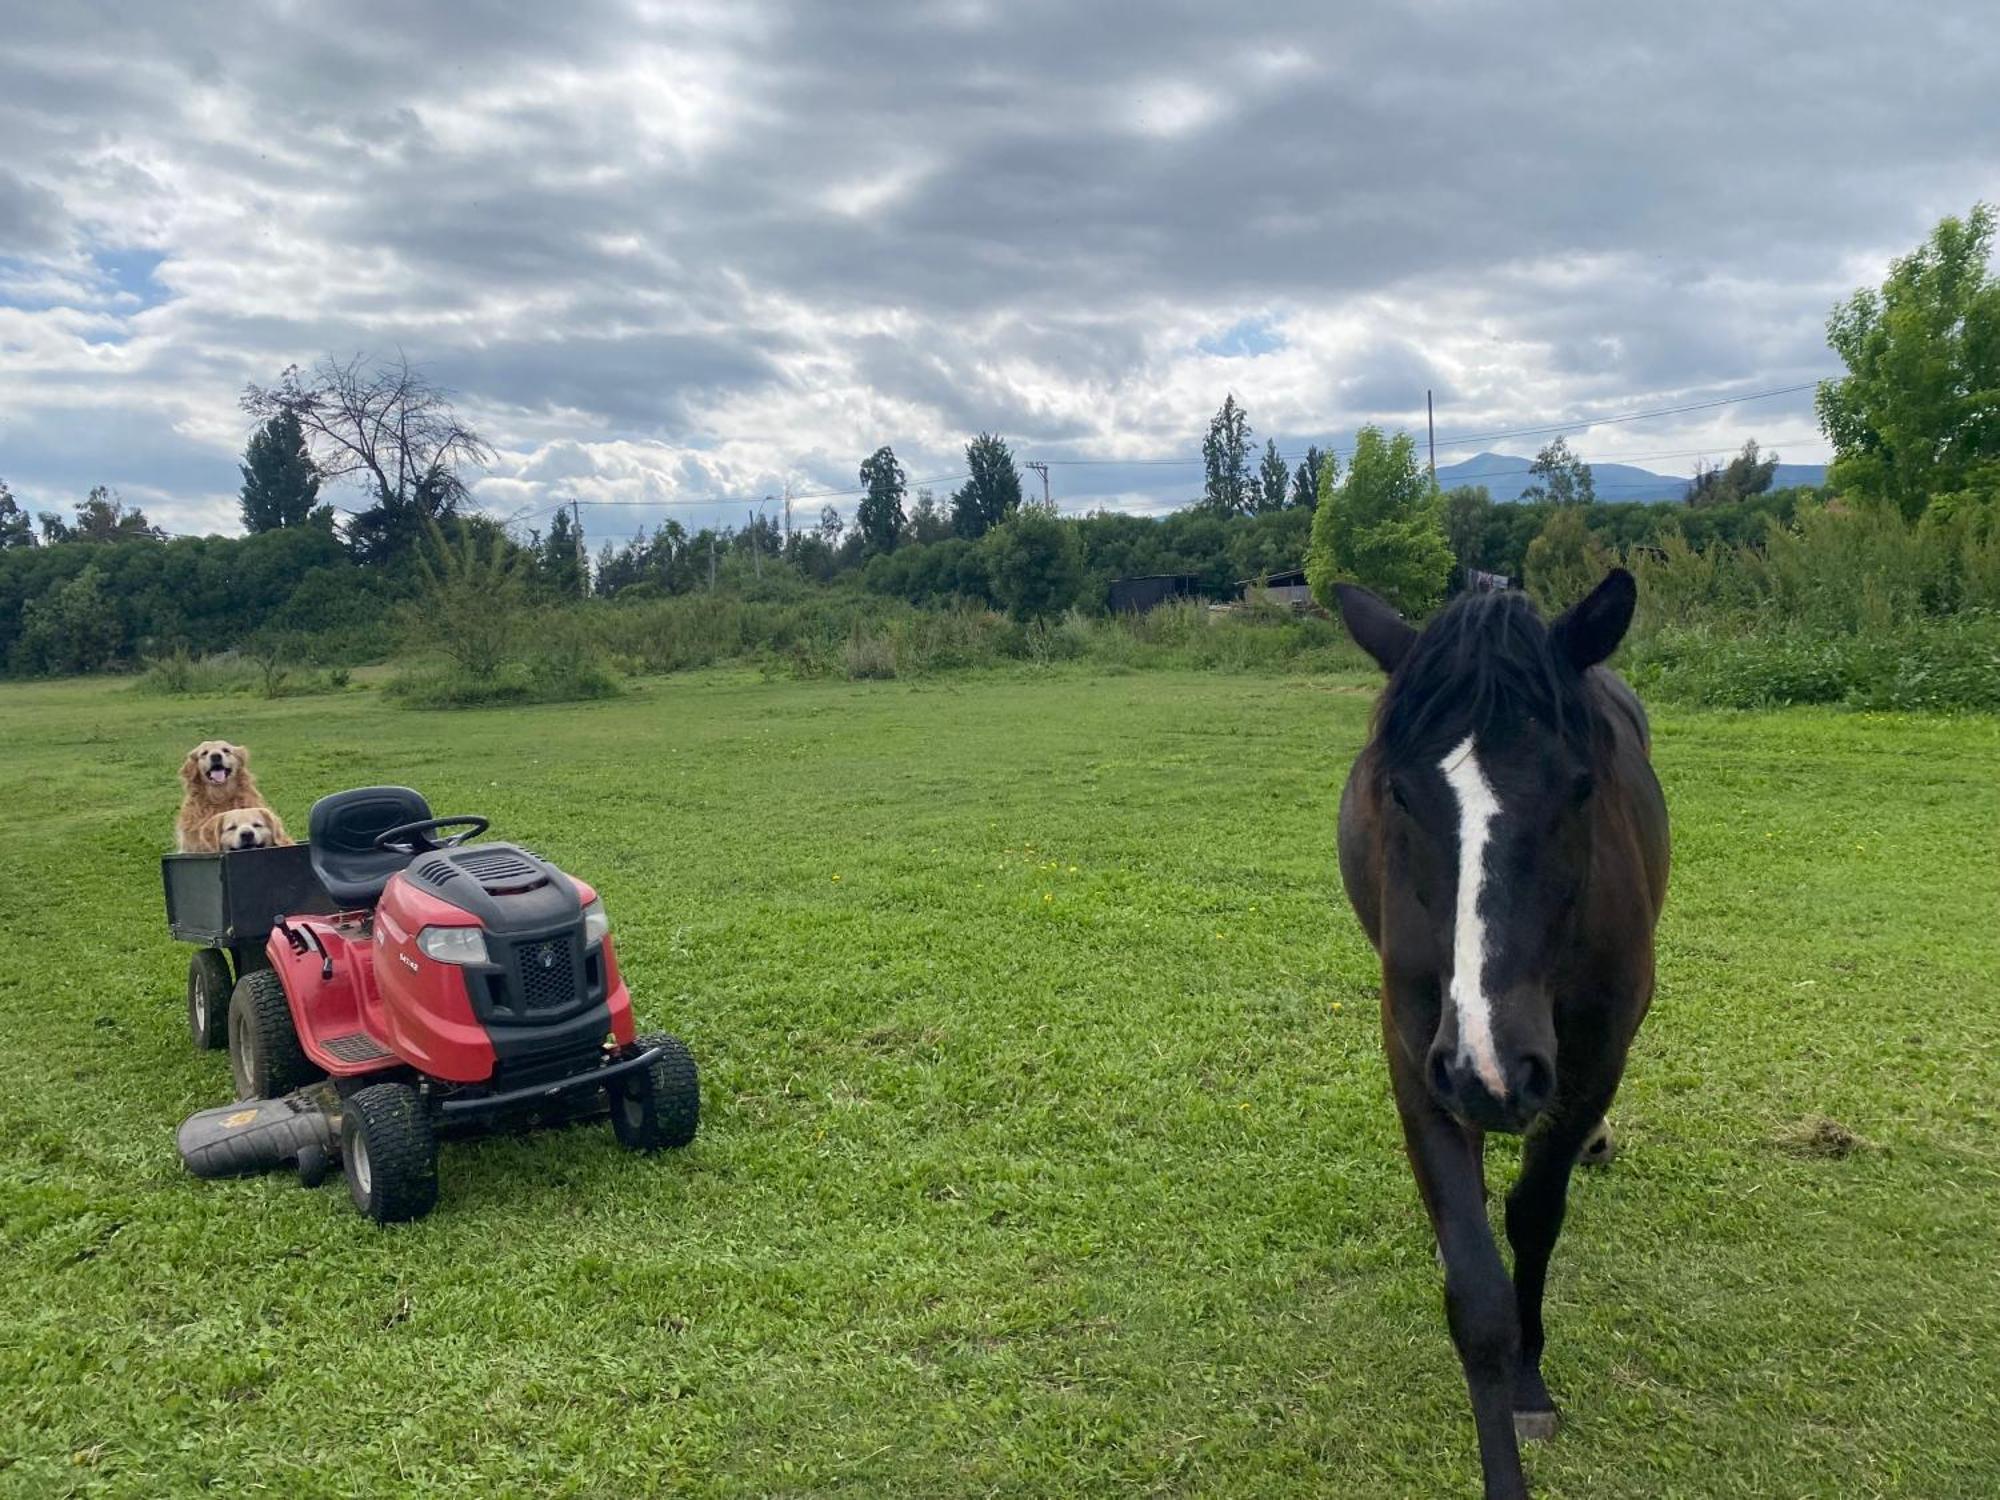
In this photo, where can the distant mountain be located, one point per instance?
(1505, 475)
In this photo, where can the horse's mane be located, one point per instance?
(1484, 658)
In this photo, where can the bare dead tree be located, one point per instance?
(382, 423)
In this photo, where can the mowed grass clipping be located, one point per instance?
(1046, 1146)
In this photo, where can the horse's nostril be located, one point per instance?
(1534, 1082)
(1442, 1083)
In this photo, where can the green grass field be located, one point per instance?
(1047, 1148)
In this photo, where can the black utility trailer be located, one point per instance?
(227, 903)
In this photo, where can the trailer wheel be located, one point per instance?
(659, 1106)
(389, 1153)
(208, 999)
(264, 1051)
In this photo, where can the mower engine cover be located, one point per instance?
(529, 993)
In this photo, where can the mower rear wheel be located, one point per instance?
(264, 1051)
(389, 1153)
(208, 999)
(660, 1105)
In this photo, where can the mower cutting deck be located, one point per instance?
(451, 983)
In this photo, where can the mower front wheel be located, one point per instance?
(389, 1153)
(208, 999)
(264, 1051)
(660, 1105)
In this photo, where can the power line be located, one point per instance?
(1449, 441)
(728, 501)
(1629, 458)
(1461, 440)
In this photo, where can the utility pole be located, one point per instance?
(711, 559)
(1430, 422)
(757, 540)
(1043, 470)
(582, 552)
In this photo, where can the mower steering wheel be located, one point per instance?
(414, 838)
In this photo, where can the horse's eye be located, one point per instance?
(1396, 794)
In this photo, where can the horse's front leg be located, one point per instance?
(1478, 1298)
(1535, 1209)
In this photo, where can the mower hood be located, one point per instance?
(505, 887)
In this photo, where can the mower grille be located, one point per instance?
(500, 870)
(437, 871)
(549, 979)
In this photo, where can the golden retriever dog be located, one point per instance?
(216, 779)
(242, 828)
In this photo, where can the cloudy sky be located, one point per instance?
(678, 255)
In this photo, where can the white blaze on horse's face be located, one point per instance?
(1478, 807)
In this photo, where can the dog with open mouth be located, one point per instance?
(216, 779)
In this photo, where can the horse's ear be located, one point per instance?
(1376, 628)
(1590, 630)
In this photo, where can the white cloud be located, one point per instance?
(677, 254)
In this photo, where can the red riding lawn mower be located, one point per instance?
(420, 983)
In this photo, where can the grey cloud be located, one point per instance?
(31, 218)
(1611, 208)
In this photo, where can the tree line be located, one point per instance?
(1913, 425)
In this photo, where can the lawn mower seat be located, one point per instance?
(344, 827)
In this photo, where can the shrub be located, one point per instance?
(471, 601)
(1565, 562)
(1034, 564)
(75, 628)
(870, 654)
(181, 674)
(1382, 527)
(1932, 665)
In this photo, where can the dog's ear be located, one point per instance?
(188, 773)
(242, 754)
(210, 840)
(278, 834)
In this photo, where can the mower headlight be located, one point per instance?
(596, 925)
(454, 945)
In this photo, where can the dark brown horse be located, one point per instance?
(1504, 842)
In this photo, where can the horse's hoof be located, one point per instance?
(1600, 1149)
(1535, 1426)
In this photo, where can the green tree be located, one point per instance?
(928, 521)
(1034, 563)
(75, 628)
(103, 517)
(992, 491)
(1560, 477)
(1273, 479)
(471, 598)
(1380, 527)
(1225, 457)
(1565, 562)
(1917, 416)
(16, 529)
(280, 483)
(1466, 510)
(880, 514)
(560, 557)
(1305, 480)
(1748, 473)
(387, 427)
